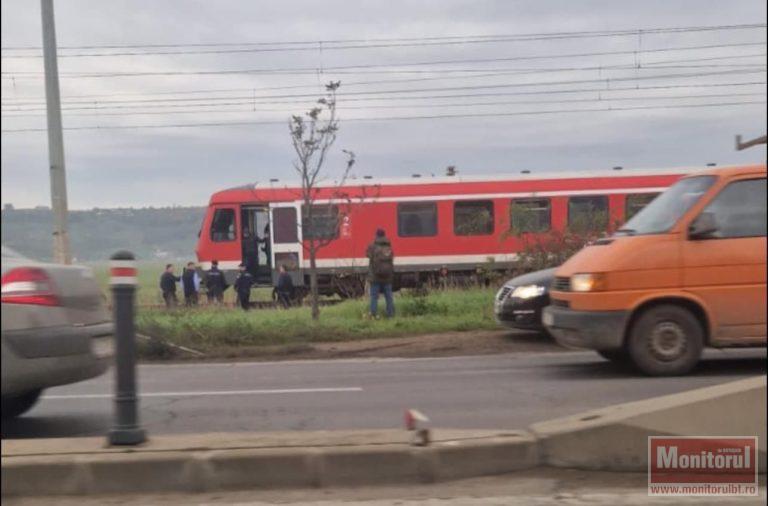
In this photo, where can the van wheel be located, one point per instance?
(19, 404)
(619, 356)
(666, 341)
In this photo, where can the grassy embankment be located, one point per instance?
(224, 331)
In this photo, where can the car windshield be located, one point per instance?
(661, 214)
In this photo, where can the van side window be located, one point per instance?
(323, 224)
(636, 202)
(530, 215)
(740, 209)
(417, 219)
(473, 217)
(588, 214)
(223, 225)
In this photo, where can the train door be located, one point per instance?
(286, 240)
(256, 242)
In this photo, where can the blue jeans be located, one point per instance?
(386, 288)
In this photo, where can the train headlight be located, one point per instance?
(528, 291)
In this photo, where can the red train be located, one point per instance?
(452, 222)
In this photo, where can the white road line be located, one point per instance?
(218, 392)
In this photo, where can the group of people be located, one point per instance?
(381, 272)
(214, 280)
(216, 284)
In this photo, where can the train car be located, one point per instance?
(453, 224)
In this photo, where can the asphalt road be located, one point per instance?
(493, 392)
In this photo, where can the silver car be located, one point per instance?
(55, 329)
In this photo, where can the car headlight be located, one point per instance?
(528, 291)
(587, 282)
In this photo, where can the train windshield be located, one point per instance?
(661, 214)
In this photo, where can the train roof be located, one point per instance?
(277, 190)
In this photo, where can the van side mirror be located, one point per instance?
(703, 227)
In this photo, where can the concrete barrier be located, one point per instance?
(616, 438)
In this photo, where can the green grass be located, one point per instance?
(210, 329)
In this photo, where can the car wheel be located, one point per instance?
(618, 356)
(666, 341)
(19, 404)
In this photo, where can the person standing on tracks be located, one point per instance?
(284, 288)
(243, 284)
(168, 282)
(190, 283)
(215, 284)
(381, 272)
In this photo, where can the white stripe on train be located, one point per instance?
(478, 196)
(437, 260)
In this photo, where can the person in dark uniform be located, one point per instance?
(243, 285)
(190, 283)
(168, 286)
(285, 289)
(215, 284)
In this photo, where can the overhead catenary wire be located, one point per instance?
(342, 107)
(469, 87)
(397, 118)
(661, 64)
(387, 66)
(329, 44)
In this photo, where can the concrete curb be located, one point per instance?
(613, 438)
(167, 465)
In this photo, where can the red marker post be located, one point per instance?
(125, 429)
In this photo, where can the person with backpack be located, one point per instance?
(381, 272)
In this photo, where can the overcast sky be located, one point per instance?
(183, 166)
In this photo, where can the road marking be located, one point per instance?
(217, 392)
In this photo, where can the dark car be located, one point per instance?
(519, 302)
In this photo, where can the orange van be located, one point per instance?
(688, 271)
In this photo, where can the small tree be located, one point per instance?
(312, 136)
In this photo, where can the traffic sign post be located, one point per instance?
(125, 429)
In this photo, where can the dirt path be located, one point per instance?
(479, 342)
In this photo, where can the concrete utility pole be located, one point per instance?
(744, 145)
(61, 252)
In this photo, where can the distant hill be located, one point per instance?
(150, 233)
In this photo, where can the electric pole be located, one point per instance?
(61, 253)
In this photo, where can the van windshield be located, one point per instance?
(661, 214)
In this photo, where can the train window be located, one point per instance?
(223, 225)
(323, 224)
(285, 224)
(530, 215)
(588, 214)
(417, 219)
(636, 202)
(473, 217)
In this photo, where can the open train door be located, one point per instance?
(285, 234)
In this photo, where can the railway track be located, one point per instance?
(255, 305)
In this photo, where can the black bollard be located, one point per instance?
(125, 429)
